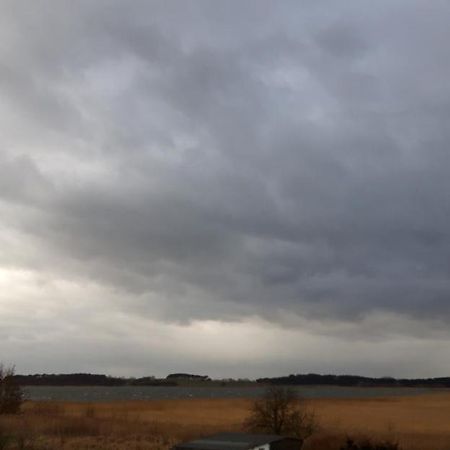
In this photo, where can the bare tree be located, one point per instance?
(11, 396)
(281, 411)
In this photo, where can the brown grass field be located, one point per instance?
(417, 423)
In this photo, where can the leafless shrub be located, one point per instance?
(11, 396)
(281, 411)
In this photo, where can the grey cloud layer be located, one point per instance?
(219, 160)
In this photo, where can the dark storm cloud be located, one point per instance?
(236, 158)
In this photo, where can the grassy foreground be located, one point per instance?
(418, 423)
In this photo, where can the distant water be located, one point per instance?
(105, 394)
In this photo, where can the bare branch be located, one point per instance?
(281, 411)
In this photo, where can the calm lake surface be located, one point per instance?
(105, 394)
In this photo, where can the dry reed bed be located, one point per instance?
(418, 423)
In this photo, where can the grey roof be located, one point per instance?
(230, 441)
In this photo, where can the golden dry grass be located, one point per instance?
(417, 423)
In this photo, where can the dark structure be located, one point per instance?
(242, 441)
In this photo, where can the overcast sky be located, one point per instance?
(236, 188)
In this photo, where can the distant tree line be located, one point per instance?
(87, 379)
(354, 380)
(179, 379)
